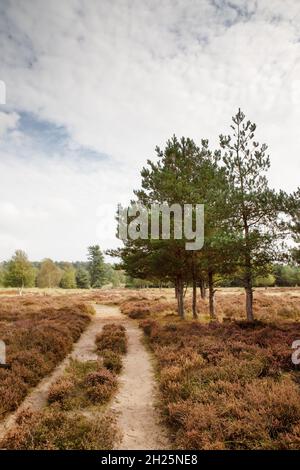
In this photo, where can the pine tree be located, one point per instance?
(96, 266)
(296, 225)
(255, 207)
(83, 279)
(183, 174)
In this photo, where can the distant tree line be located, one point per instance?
(20, 272)
(281, 275)
(247, 224)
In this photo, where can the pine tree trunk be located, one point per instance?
(248, 280)
(195, 313)
(211, 296)
(180, 302)
(249, 297)
(202, 289)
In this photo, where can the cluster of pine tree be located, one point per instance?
(247, 223)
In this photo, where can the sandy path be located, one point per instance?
(134, 402)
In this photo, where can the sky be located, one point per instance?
(93, 86)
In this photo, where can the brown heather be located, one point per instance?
(227, 386)
(39, 332)
(113, 338)
(53, 429)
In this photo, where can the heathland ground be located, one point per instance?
(119, 369)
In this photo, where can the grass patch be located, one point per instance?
(83, 385)
(112, 360)
(53, 429)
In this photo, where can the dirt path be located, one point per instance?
(134, 402)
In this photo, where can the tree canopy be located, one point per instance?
(96, 266)
(19, 271)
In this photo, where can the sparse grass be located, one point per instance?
(273, 304)
(83, 385)
(112, 360)
(76, 390)
(53, 429)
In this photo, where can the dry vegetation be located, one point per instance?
(52, 429)
(112, 338)
(39, 332)
(228, 385)
(273, 304)
(223, 385)
(76, 417)
(84, 384)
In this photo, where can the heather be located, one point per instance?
(227, 386)
(38, 334)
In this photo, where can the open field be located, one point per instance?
(273, 304)
(220, 385)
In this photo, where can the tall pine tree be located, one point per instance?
(96, 266)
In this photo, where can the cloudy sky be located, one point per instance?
(94, 85)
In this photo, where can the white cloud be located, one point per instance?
(8, 121)
(123, 76)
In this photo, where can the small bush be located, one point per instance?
(112, 337)
(60, 390)
(112, 361)
(83, 384)
(100, 385)
(114, 327)
(100, 377)
(147, 326)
